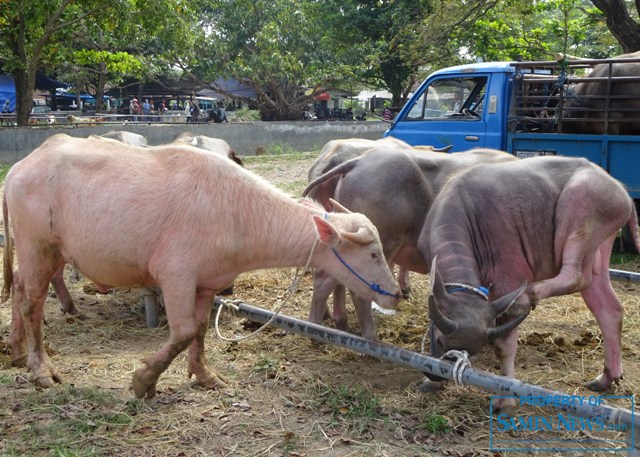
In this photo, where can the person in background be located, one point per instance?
(134, 109)
(387, 115)
(218, 114)
(195, 111)
(146, 107)
(6, 109)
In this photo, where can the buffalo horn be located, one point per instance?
(503, 303)
(362, 236)
(497, 332)
(444, 324)
(337, 207)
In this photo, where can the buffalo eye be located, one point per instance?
(374, 256)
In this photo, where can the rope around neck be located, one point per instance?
(482, 291)
(290, 290)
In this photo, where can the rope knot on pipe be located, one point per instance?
(461, 363)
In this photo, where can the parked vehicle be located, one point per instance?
(523, 108)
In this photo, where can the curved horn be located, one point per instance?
(497, 332)
(362, 236)
(443, 149)
(503, 303)
(444, 324)
(337, 207)
(331, 175)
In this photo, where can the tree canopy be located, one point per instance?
(288, 51)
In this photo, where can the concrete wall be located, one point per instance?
(17, 142)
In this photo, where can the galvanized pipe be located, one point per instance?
(499, 385)
(625, 276)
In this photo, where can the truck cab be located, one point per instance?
(463, 106)
(533, 108)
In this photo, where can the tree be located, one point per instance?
(136, 42)
(538, 30)
(619, 21)
(270, 46)
(27, 31)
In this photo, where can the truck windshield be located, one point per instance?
(451, 98)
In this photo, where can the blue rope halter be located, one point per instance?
(374, 287)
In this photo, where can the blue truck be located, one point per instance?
(520, 107)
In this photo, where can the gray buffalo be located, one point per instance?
(585, 108)
(394, 188)
(524, 230)
(213, 145)
(130, 138)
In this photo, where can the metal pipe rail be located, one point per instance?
(488, 381)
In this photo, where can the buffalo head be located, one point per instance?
(466, 321)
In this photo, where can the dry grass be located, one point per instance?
(289, 396)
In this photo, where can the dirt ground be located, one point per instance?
(288, 395)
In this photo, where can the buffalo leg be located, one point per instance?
(206, 377)
(183, 328)
(602, 301)
(505, 349)
(66, 302)
(365, 317)
(17, 339)
(323, 285)
(30, 293)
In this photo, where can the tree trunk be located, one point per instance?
(102, 79)
(25, 81)
(620, 23)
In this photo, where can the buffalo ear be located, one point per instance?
(502, 304)
(327, 233)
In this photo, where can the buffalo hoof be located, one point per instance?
(506, 410)
(46, 378)
(213, 380)
(597, 385)
(142, 389)
(45, 382)
(144, 382)
(429, 386)
(19, 361)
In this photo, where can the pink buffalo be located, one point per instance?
(169, 216)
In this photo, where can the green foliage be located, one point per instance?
(538, 30)
(244, 114)
(4, 169)
(357, 407)
(280, 149)
(86, 411)
(437, 424)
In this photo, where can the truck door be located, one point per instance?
(450, 110)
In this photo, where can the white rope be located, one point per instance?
(234, 308)
(461, 358)
(462, 362)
